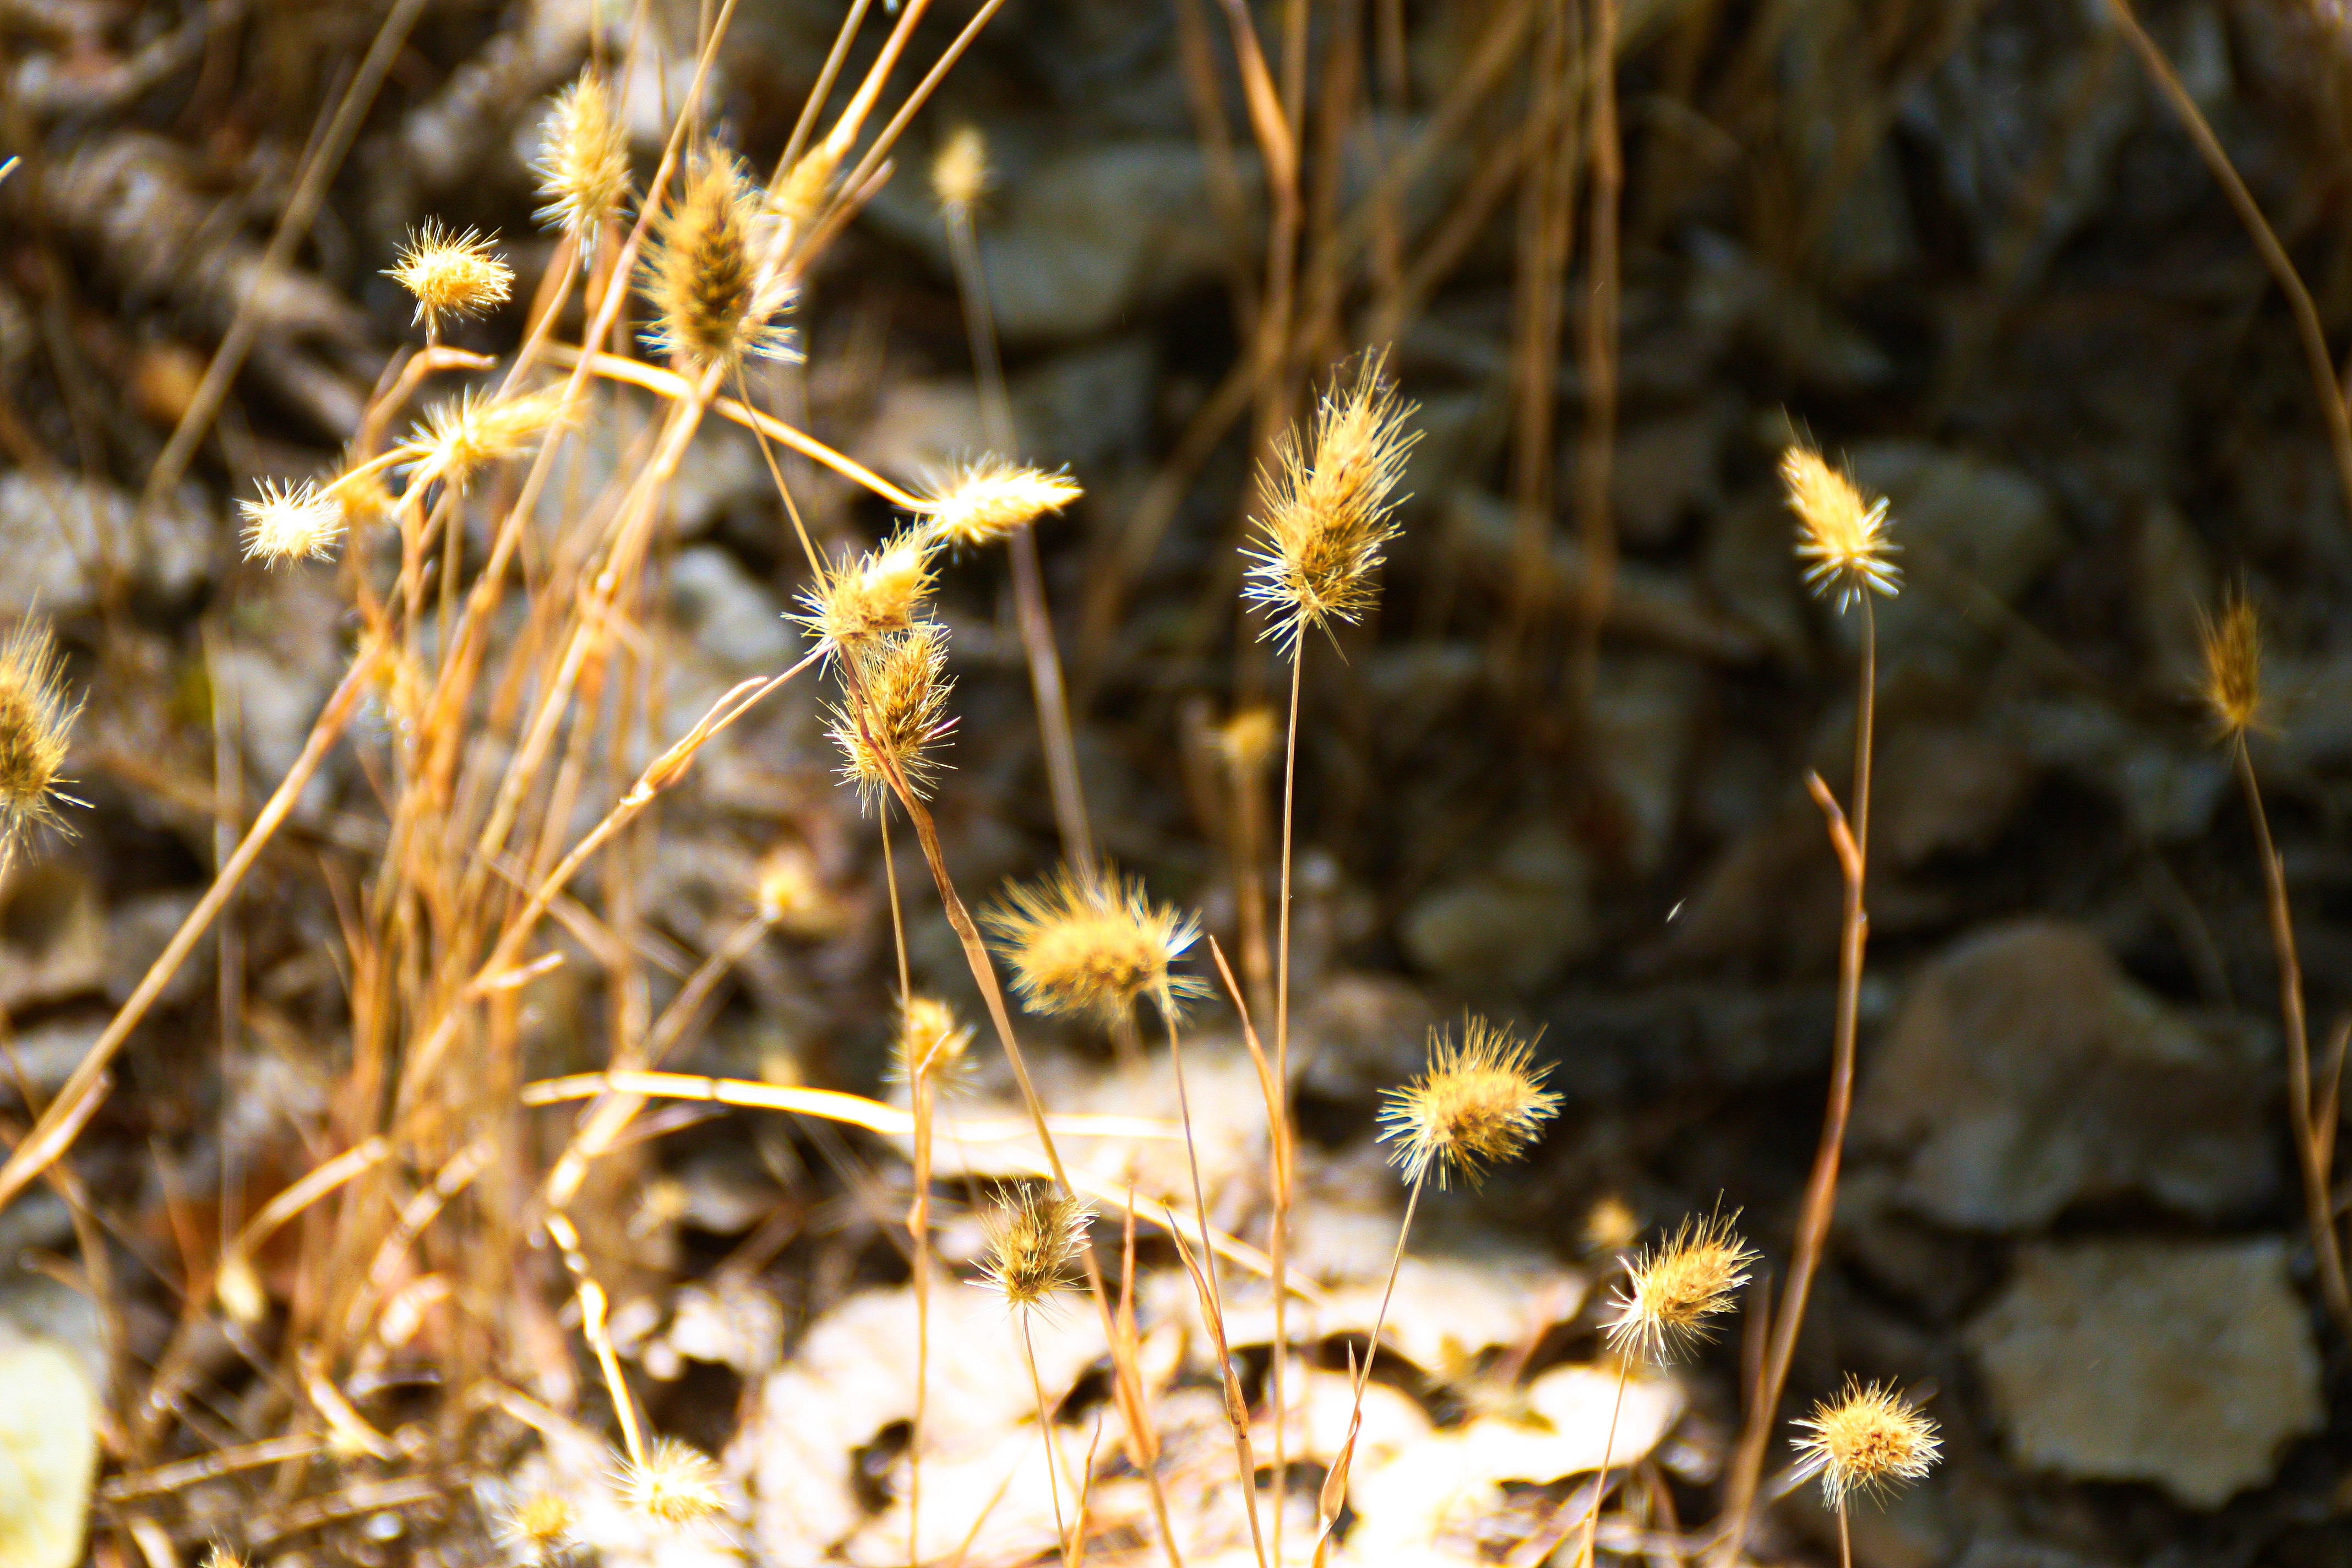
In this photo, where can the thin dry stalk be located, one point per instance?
(1599, 359)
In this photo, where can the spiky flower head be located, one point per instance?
(583, 162)
(1842, 537)
(1868, 1439)
(460, 437)
(852, 605)
(451, 274)
(789, 893)
(1091, 942)
(1609, 1228)
(36, 720)
(960, 172)
(1034, 1234)
(898, 711)
(1674, 1291)
(990, 498)
(291, 522)
(538, 1530)
(701, 275)
(1479, 1103)
(1330, 508)
(930, 1046)
(216, 1555)
(2233, 687)
(675, 1483)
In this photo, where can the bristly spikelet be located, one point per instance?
(960, 172)
(2232, 688)
(1034, 1234)
(1091, 943)
(930, 1046)
(801, 196)
(675, 1484)
(853, 605)
(216, 1555)
(1868, 1439)
(701, 275)
(1331, 509)
(36, 720)
(1246, 740)
(457, 439)
(291, 522)
(1478, 1103)
(451, 275)
(902, 682)
(1842, 537)
(538, 1531)
(582, 163)
(1672, 1291)
(1609, 1228)
(990, 498)
(789, 893)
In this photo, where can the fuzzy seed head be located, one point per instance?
(677, 1484)
(932, 1044)
(1479, 1103)
(1330, 509)
(539, 1530)
(36, 722)
(959, 172)
(701, 275)
(291, 522)
(1246, 740)
(451, 275)
(991, 498)
(457, 439)
(1610, 1228)
(583, 162)
(1842, 537)
(855, 605)
(791, 895)
(1034, 1234)
(2232, 688)
(1674, 1291)
(899, 713)
(801, 196)
(1091, 943)
(216, 1555)
(1868, 1439)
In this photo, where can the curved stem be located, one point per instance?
(1601, 1477)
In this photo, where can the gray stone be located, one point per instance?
(1967, 528)
(2190, 1366)
(733, 621)
(1514, 924)
(1945, 788)
(2026, 1073)
(62, 534)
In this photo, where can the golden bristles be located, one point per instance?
(458, 438)
(291, 522)
(35, 721)
(538, 1531)
(1609, 1228)
(452, 275)
(1034, 1234)
(1091, 943)
(960, 172)
(217, 1555)
(853, 605)
(1479, 1103)
(701, 275)
(1672, 1291)
(2232, 688)
(898, 710)
(1868, 1439)
(1842, 537)
(675, 1483)
(1330, 508)
(582, 163)
(991, 498)
(931, 1044)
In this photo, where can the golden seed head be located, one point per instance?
(291, 522)
(539, 1530)
(583, 162)
(2233, 665)
(1034, 1234)
(458, 438)
(1091, 943)
(1331, 507)
(1610, 1227)
(36, 720)
(1842, 537)
(789, 892)
(1671, 1291)
(930, 1045)
(991, 498)
(1479, 1103)
(217, 1555)
(1868, 1439)
(854, 604)
(675, 1484)
(898, 711)
(1246, 740)
(806, 185)
(701, 275)
(960, 173)
(454, 275)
